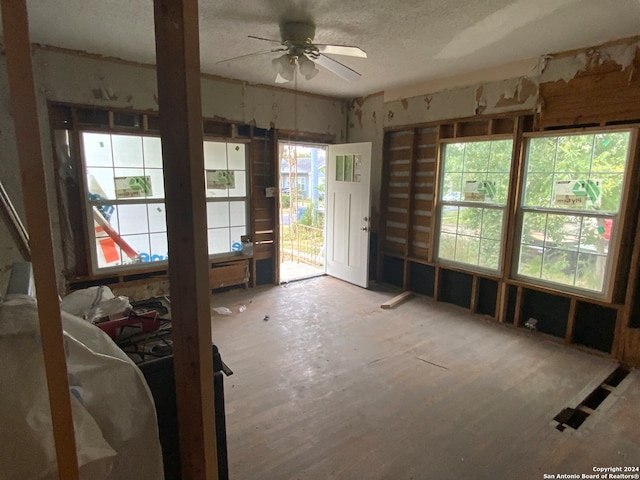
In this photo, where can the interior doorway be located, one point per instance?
(302, 180)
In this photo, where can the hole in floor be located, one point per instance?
(574, 417)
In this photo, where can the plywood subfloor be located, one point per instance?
(334, 387)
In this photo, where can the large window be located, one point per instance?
(125, 198)
(473, 196)
(569, 208)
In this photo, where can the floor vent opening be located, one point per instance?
(574, 417)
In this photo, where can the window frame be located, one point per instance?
(441, 203)
(611, 276)
(89, 233)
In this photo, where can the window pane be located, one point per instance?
(100, 183)
(127, 151)
(157, 182)
(140, 243)
(476, 156)
(538, 190)
(467, 249)
(159, 247)
(610, 152)
(500, 160)
(489, 254)
(452, 187)
(157, 217)
(240, 189)
(454, 154)
(574, 154)
(559, 265)
(470, 221)
(447, 247)
(217, 214)
(541, 155)
(218, 240)
(237, 213)
(492, 224)
(215, 156)
(152, 150)
(235, 156)
(340, 168)
(97, 149)
(132, 219)
(236, 234)
(591, 271)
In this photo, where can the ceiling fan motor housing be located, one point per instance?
(297, 34)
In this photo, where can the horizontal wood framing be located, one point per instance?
(408, 222)
(262, 173)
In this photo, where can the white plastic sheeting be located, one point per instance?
(113, 412)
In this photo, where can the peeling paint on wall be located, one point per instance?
(524, 90)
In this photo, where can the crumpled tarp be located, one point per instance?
(113, 412)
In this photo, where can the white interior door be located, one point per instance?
(348, 216)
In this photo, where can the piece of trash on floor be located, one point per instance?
(221, 310)
(242, 308)
(266, 318)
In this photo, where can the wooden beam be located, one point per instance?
(178, 72)
(397, 300)
(34, 187)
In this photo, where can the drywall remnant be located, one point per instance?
(427, 101)
(104, 94)
(603, 59)
(481, 101)
(375, 119)
(524, 89)
(405, 103)
(390, 114)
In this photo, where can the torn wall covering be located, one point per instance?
(70, 77)
(509, 95)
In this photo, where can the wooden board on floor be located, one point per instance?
(397, 300)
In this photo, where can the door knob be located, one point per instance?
(364, 229)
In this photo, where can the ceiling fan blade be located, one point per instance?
(265, 39)
(262, 52)
(341, 50)
(338, 68)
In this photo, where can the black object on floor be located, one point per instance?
(160, 377)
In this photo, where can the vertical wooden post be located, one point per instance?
(25, 116)
(178, 71)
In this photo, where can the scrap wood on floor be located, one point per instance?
(397, 300)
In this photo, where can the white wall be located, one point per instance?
(87, 80)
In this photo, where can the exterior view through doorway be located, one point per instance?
(302, 181)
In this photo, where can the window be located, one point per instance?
(125, 198)
(569, 208)
(473, 196)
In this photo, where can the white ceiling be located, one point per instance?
(407, 42)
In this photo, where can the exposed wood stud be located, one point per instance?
(25, 115)
(571, 319)
(517, 320)
(475, 292)
(178, 74)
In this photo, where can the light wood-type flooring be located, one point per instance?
(334, 387)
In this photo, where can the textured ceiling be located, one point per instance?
(407, 41)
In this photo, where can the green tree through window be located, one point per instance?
(571, 201)
(473, 197)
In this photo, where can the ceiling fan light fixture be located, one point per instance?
(280, 64)
(307, 67)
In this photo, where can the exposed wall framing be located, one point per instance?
(409, 206)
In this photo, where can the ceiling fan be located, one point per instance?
(298, 49)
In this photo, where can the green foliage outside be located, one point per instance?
(557, 245)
